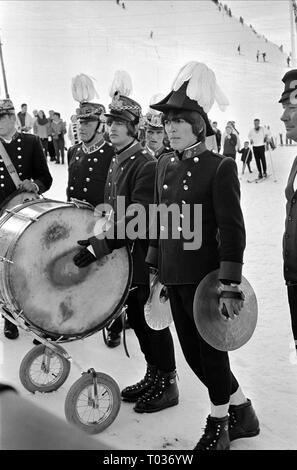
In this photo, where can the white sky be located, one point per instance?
(268, 17)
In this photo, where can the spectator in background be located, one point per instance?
(24, 121)
(238, 49)
(41, 129)
(264, 56)
(258, 137)
(230, 142)
(58, 129)
(288, 61)
(258, 54)
(218, 135)
(51, 148)
(246, 156)
(241, 20)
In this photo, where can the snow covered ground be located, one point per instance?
(265, 366)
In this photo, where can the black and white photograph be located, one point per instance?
(148, 227)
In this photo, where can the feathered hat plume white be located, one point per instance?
(83, 88)
(155, 99)
(202, 86)
(121, 83)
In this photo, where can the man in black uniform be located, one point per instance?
(88, 161)
(131, 176)
(154, 135)
(289, 118)
(27, 156)
(192, 175)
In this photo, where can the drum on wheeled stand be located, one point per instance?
(43, 292)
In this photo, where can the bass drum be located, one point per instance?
(16, 198)
(39, 280)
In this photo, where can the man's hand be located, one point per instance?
(84, 257)
(229, 305)
(29, 186)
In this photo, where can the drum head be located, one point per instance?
(54, 294)
(16, 198)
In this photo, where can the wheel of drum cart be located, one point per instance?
(43, 370)
(80, 404)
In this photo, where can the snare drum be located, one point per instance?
(39, 280)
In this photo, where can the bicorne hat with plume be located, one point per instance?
(194, 89)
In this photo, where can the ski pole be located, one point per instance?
(272, 168)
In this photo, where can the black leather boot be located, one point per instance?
(162, 394)
(216, 435)
(133, 392)
(10, 330)
(243, 421)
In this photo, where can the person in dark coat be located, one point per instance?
(27, 156)
(246, 156)
(230, 142)
(88, 161)
(189, 176)
(289, 118)
(131, 182)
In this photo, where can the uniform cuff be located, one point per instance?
(100, 247)
(231, 271)
(152, 256)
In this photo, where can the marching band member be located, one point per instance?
(154, 131)
(89, 160)
(26, 154)
(189, 175)
(131, 175)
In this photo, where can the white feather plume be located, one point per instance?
(121, 83)
(83, 88)
(155, 99)
(202, 86)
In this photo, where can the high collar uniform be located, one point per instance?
(198, 176)
(27, 156)
(87, 172)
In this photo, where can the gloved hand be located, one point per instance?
(230, 302)
(84, 257)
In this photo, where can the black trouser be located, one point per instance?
(157, 346)
(44, 143)
(292, 297)
(259, 154)
(51, 150)
(210, 365)
(248, 165)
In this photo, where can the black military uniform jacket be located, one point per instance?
(27, 156)
(290, 235)
(199, 176)
(131, 174)
(87, 172)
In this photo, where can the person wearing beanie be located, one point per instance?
(188, 176)
(289, 118)
(28, 162)
(131, 178)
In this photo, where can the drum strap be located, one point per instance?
(9, 166)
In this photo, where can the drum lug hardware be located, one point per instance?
(5, 260)
(22, 216)
(93, 399)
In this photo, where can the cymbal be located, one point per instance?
(224, 335)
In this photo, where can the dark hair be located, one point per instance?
(257, 119)
(192, 117)
(24, 104)
(57, 114)
(131, 128)
(214, 122)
